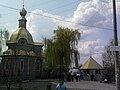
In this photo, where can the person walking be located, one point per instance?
(72, 76)
(77, 76)
(61, 85)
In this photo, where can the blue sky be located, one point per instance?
(92, 17)
(51, 6)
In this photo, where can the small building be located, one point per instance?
(92, 68)
(24, 56)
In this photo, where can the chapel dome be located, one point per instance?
(21, 33)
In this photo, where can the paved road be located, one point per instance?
(35, 85)
(90, 85)
(82, 85)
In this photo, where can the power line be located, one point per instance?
(69, 21)
(5, 14)
(18, 9)
(23, 2)
(94, 15)
(89, 18)
(56, 18)
(65, 11)
(42, 3)
(65, 5)
(38, 4)
(8, 7)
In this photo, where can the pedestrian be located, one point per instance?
(77, 76)
(108, 78)
(61, 85)
(81, 75)
(68, 76)
(92, 77)
(72, 76)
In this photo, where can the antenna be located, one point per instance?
(23, 2)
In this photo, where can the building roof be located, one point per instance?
(22, 37)
(39, 43)
(91, 64)
(21, 32)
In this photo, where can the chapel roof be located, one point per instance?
(21, 31)
(91, 64)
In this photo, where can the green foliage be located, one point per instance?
(58, 50)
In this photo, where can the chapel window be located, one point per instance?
(38, 66)
(22, 65)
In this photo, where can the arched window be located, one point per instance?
(38, 66)
(22, 41)
(22, 65)
(6, 64)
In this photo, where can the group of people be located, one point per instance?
(71, 76)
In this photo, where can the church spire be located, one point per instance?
(22, 20)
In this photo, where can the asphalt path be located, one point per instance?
(89, 85)
(82, 85)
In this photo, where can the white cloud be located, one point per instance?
(86, 46)
(41, 24)
(96, 13)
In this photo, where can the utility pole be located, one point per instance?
(117, 63)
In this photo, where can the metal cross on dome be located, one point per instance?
(23, 2)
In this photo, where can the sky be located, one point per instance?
(93, 18)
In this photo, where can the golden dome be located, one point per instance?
(21, 33)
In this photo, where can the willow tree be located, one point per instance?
(59, 50)
(50, 61)
(75, 36)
